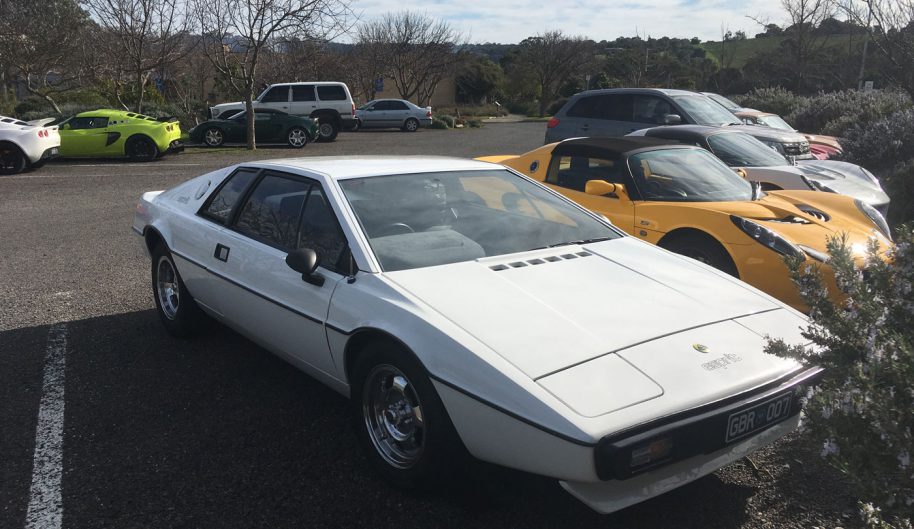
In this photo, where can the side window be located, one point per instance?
(398, 105)
(573, 172)
(650, 109)
(320, 230)
(272, 210)
(88, 123)
(616, 107)
(303, 92)
(219, 206)
(382, 105)
(278, 94)
(584, 108)
(262, 116)
(331, 93)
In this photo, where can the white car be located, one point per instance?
(26, 145)
(464, 307)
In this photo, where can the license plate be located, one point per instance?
(759, 417)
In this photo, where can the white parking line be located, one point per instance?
(45, 502)
(158, 164)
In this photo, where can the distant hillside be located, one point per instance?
(743, 50)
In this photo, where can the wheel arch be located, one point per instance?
(153, 237)
(15, 145)
(688, 231)
(360, 339)
(138, 135)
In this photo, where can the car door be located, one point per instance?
(264, 298)
(569, 175)
(304, 101)
(276, 97)
(376, 115)
(84, 136)
(397, 114)
(267, 126)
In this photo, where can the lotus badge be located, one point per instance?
(701, 348)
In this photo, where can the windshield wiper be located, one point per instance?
(582, 241)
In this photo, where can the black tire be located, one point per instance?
(39, 164)
(213, 137)
(176, 308)
(441, 450)
(327, 130)
(356, 125)
(12, 160)
(297, 137)
(704, 248)
(411, 125)
(141, 149)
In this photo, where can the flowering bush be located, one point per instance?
(875, 142)
(833, 113)
(775, 100)
(862, 413)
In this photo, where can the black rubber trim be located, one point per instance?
(337, 329)
(243, 287)
(138, 232)
(512, 414)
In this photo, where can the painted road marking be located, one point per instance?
(158, 164)
(45, 502)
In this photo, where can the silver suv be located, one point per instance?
(621, 111)
(330, 103)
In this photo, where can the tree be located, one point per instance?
(890, 27)
(416, 51)
(803, 43)
(37, 41)
(552, 58)
(235, 34)
(478, 78)
(144, 36)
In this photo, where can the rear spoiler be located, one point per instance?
(167, 119)
(40, 122)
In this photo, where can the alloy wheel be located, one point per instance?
(393, 416)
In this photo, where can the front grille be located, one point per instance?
(796, 148)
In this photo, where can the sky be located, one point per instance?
(510, 21)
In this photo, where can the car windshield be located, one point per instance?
(686, 175)
(742, 150)
(428, 219)
(727, 103)
(776, 122)
(706, 112)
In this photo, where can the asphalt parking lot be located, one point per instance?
(215, 432)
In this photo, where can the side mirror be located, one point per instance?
(304, 261)
(603, 188)
(672, 119)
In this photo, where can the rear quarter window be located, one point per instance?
(220, 204)
(331, 93)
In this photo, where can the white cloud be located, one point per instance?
(510, 21)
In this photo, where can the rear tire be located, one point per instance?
(327, 131)
(176, 308)
(704, 248)
(411, 125)
(141, 149)
(39, 164)
(400, 421)
(12, 161)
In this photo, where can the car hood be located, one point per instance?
(844, 178)
(769, 133)
(546, 316)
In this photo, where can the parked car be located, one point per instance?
(822, 147)
(25, 145)
(102, 133)
(772, 169)
(729, 104)
(328, 103)
(620, 111)
(399, 113)
(684, 199)
(465, 308)
(270, 126)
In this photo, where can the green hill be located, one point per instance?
(740, 51)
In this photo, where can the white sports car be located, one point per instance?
(26, 145)
(466, 308)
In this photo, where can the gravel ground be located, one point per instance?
(216, 432)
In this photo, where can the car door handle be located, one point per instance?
(222, 252)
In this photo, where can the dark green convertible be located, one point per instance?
(270, 126)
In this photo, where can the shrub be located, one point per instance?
(438, 123)
(881, 142)
(474, 123)
(525, 108)
(860, 413)
(898, 183)
(448, 119)
(833, 113)
(775, 100)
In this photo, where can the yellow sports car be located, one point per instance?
(684, 199)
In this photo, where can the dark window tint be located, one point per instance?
(382, 105)
(303, 93)
(320, 230)
(272, 211)
(650, 109)
(220, 205)
(88, 123)
(331, 93)
(279, 94)
(398, 105)
(616, 107)
(573, 172)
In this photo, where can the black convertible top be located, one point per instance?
(609, 148)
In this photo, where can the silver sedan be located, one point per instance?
(389, 113)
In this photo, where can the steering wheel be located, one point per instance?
(395, 228)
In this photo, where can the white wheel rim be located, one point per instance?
(167, 288)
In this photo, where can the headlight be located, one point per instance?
(775, 145)
(768, 238)
(874, 216)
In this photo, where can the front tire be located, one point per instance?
(297, 137)
(411, 125)
(327, 131)
(703, 248)
(176, 308)
(400, 420)
(141, 149)
(213, 137)
(12, 161)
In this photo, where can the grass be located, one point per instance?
(743, 50)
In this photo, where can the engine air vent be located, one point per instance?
(539, 261)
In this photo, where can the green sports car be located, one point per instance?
(103, 132)
(270, 126)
